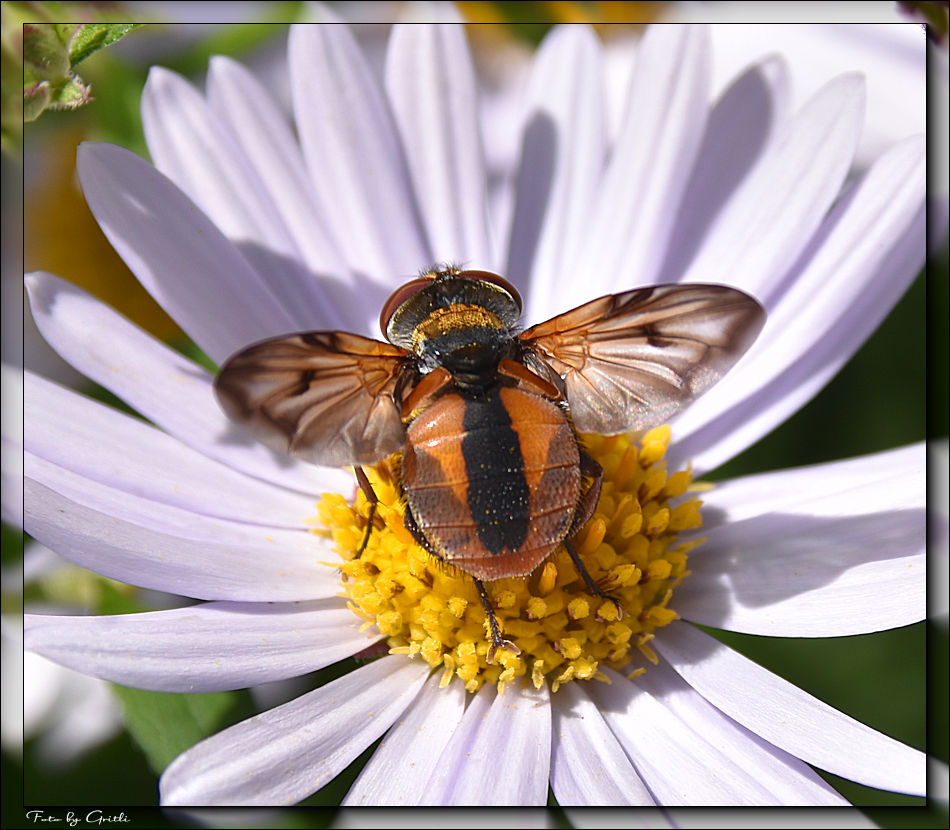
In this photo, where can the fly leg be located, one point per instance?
(592, 586)
(497, 641)
(371, 497)
(591, 472)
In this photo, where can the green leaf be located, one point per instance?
(91, 37)
(164, 724)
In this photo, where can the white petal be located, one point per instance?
(431, 85)
(156, 515)
(741, 126)
(250, 564)
(500, 117)
(168, 389)
(177, 253)
(891, 56)
(680, 767)
(400, 771)
(804, 553)
(12, 437)
(562, 157)
(256, 123)
(641, 189)
(773, 214)
(100, 443)
(500, 753)
(202, 648)
(191, 145)
(827, 489)
(938, 527)
(588, 765)
(64, 713)
(788, 717)
(283, 755)
(356, 163)
(786, 778)
(867, 224)
(852, 274)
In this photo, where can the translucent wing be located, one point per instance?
(326, 397)
(630, 361)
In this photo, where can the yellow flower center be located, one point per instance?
(424, 607)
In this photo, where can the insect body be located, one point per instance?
(494, 476)
(492, 479)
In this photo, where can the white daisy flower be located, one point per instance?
(243, 231)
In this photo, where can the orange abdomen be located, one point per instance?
(492, 480)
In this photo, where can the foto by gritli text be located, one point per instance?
(71, 819)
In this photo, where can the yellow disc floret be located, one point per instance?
(429, 610)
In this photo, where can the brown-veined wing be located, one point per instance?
(630, 361)
(325, 397)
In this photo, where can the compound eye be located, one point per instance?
(495, 279)
(398, 297)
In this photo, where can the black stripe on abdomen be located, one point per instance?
(498, 495)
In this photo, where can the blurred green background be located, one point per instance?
(893, 392)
